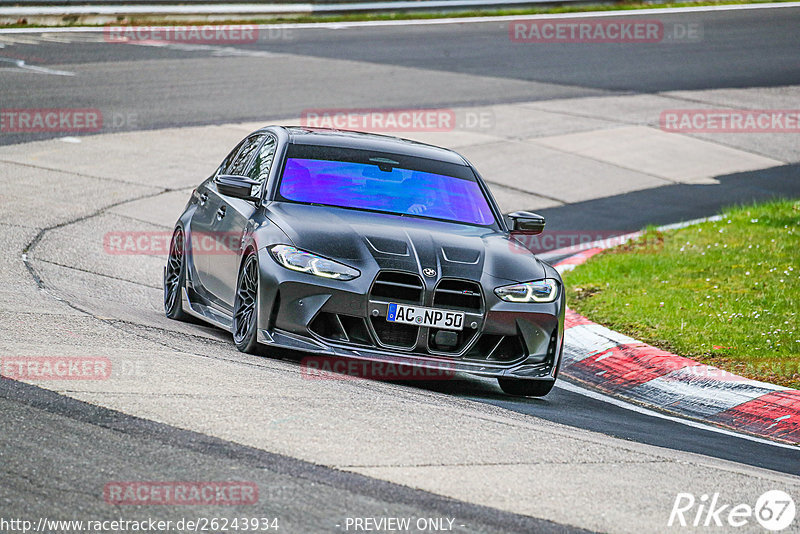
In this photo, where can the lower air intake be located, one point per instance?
(495, 348)
(395, 334)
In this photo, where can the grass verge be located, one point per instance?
(724, 293)
(624, 5)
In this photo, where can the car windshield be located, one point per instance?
(382, 182)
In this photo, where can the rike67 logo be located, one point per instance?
(774, 510)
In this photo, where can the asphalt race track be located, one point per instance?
(286, 71)
(191, 407)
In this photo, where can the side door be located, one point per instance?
(200, 227)
(233, 216)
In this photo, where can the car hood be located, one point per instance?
(364, 239)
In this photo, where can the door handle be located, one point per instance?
(220, 213)
(203, 198)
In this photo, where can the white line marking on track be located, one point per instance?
(603, 356)
(569, 386)
(217, 51)
(20, 64)
(461, 20)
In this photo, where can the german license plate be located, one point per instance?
(420, 316)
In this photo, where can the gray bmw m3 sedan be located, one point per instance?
(366, 247)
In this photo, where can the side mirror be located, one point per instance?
(525, 221)
(237, 186)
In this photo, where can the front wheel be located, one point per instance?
(245, 307)
(174, 276)
(525, 388)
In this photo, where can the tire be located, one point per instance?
(175, 277)
(525, 388)
(245, 307)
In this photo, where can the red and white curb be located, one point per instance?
(624, 367)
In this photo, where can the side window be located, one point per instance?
(263, 163)
(229, 158)
(239, 165)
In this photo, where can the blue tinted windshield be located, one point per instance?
(393, 190)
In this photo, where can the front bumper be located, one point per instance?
(441, 366)
(292, 306)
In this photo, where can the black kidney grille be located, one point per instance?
(393, 286)
(459, 295)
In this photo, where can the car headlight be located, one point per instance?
(539, 291)
(306, 262)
